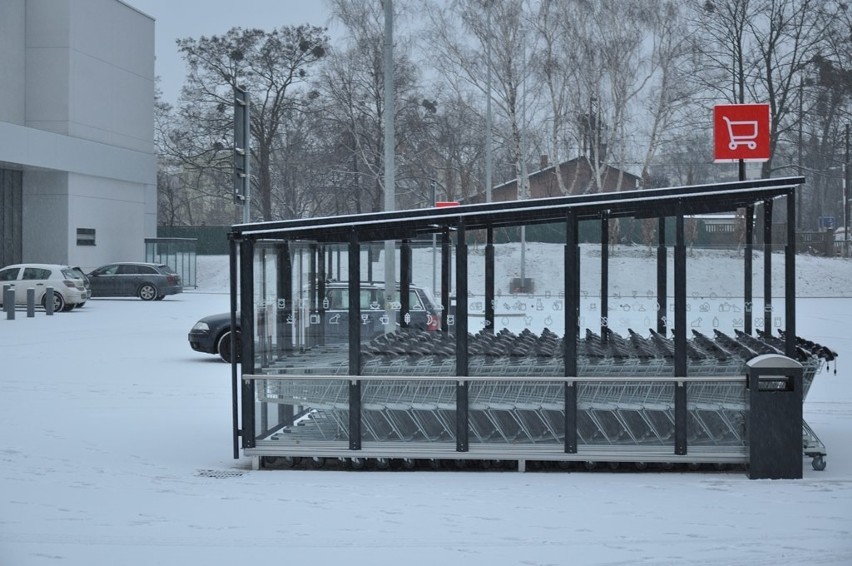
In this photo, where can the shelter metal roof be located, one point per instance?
(649, 203)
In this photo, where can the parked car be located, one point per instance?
(148, 281)
(212, 334)
(69, 289)
(86, 283)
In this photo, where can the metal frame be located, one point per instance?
(354, 230)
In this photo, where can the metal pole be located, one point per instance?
(489, 155)
(390, 190)
(846, 183)
(247, 126)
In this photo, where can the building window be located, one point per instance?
(85, 236)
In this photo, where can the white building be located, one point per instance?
(77, 160)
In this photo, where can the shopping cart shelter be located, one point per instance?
(501, 334)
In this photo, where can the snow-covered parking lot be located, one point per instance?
(116, 449)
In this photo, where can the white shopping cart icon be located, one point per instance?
(741, 132)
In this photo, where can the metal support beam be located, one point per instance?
(604, 276)
(680, 359)
(247, 341)
(355, 341)
(235, 382)
(461, 341)
(790, 278)
(767, 267)
(572, 328)
(749, 247)
(489, 279)
(662, 277)
(461, 303)
(404, 282)
(354, 305)
(283, 314)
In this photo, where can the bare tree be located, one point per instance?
(459, 35)
(271, 66)
(352, 84)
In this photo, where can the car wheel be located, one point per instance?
(58, 302)
(147, 292)
(224, 347)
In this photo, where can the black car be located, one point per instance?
(212, 335)
(148, 281)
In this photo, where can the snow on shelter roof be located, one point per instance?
(649, 203)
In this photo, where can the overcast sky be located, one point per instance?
(177, 19)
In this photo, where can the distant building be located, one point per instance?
(577, 176)
(77, 158)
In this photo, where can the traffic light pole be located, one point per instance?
(242, 151)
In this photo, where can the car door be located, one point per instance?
(103, 281)
(127, 280)
(32, 278)
(9, 276)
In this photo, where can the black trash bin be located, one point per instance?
(774, 417)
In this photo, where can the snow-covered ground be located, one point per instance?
(116, 449)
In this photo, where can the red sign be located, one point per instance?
(446, 203)
(741, 131)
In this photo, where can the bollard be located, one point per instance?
(9, 302)
(30, 302)
(48, 301)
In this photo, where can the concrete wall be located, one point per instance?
(12, 61)
(77, 117)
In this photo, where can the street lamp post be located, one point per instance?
(846, 183)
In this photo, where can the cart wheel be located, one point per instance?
(590, 465)
(408, 464)
(317, 463)
(818, 463)
(382, 463)
(357, 463)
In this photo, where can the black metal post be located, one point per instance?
(572, 329)
(235, 397)
(284, 316)
(489, 279)
(355, 341)
(604, 276)
(749, 247)
(247, 339)
(662, 277)
(404, 282)
(790, 278)
(680, 368)
(461, 340)
(767, 267)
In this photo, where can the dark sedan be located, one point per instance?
(148, 281)
(212, 335)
